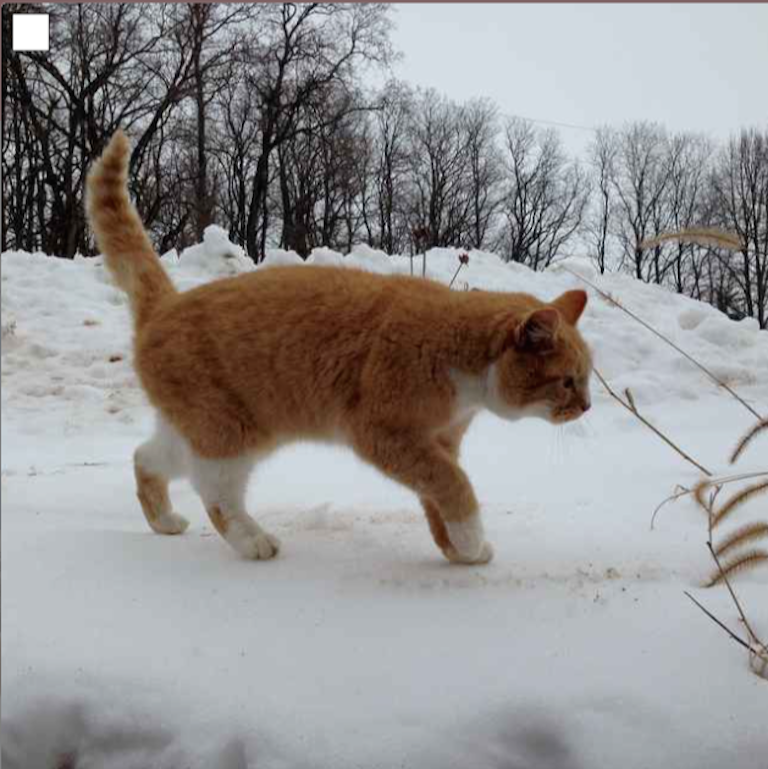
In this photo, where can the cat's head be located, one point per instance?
(544, 365)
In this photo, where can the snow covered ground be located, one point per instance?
(359, 646)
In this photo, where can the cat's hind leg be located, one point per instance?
(155, 463)
(221, 484)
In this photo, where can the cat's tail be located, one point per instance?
(120, 235)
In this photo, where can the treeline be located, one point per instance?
(256, 117)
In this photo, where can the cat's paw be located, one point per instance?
(468, 541)
(484, 556)
(486, 553)
(170, 523)
(258, 546)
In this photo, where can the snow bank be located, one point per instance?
(83, 349)
(325, 257)
(275, 257)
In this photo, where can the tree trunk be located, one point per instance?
(256, 208)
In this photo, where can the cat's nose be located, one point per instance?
(586, 406)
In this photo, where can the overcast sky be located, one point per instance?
(690, 67)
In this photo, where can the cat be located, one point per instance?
(393, 366)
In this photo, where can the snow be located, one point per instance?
(370, 259)
(359, 646)
(325, 257)
(277, 257)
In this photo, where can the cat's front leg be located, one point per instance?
(423, 465)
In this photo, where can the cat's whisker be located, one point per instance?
(586, 426)
(578, 429)
(556, 453)
(564, 435)
(553, 449)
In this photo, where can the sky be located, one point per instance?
(692, 67)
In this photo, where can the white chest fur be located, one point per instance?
(471, 394)
(475, 392)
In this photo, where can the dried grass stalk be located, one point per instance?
(739, 563)
(701, 236)
(738, 499)
(746, 440)
(742, 535)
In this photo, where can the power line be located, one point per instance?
(556, 123)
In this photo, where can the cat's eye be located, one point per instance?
(569, 382)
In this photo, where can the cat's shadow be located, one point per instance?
(514, 738)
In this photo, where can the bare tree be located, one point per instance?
(600, 221)
(213, 31)
(109, 66)
(441, 204)
(319, 174)
(686, 199)
(740, 188)
(235, 148)
(546, 196)
(304, 50)
(391, 147)
(485, 172)
(642, 175)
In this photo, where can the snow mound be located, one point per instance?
(278, 257)
(578, 264)
(68, 338)
(325, 257)
(85, 353)
(726, 334)
(364, 257)
(216, 256)
(692, 317)
(170, 258)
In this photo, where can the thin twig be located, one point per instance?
(683, 491)
(671, 498)
(752, 636)
(455, 275)
(724, 627)
(661, 336)
(650, 426)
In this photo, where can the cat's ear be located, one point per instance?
(537, 332)
(571, 304)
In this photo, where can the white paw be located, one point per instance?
(256, 545)
(170, 523)
(484, 556)
(468, 540)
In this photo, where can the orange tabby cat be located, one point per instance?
(393, 366)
